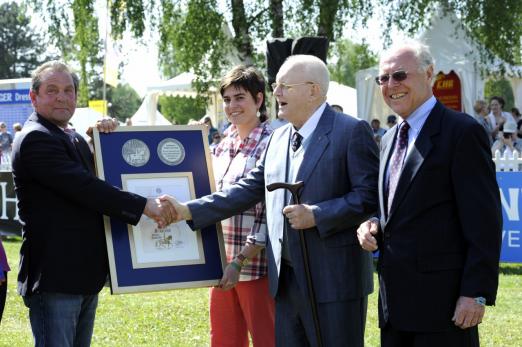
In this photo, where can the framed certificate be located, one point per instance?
(152, 161)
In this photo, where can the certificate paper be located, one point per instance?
(174, 245)
(153, 161)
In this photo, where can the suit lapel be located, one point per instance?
(418, 154)
(73, 149)
(387, 144)
(84, 152)
(317, 145)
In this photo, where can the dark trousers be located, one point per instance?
(342, 322)
(65, 320)
(453, 338)
(3, 295)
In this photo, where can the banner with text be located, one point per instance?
(9, 221)
(510, 184)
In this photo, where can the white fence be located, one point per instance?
(508, 163)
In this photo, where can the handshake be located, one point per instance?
(165, 210)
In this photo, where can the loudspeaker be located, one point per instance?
(277, 50)
(314, 45)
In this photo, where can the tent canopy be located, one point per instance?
(452, 49)
(344, 96)
(181, 85)
(83, 118)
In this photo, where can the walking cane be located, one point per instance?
(295, 190)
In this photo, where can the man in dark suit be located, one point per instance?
(337, 159)
(61, 202)
(439, 232)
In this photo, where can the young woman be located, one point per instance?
(242, 304)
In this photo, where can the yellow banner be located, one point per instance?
(99, 105)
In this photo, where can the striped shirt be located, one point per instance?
(232, 160)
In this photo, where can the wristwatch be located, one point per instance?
(242, 260)
(480, 300)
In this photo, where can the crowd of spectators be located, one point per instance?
(504, 128)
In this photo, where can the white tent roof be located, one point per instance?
(181, 85)
(83, 118)
(452, 49)
(344, 96)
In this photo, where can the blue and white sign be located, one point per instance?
(510, 184)
(14, 96)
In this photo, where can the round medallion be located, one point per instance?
(171, 151)
(135, 152)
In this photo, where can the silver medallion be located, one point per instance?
(135, 152)
(171, 151)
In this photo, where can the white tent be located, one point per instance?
(148, 113)
(180, 85)
(83, 118)
(452, 49)
(344, 96)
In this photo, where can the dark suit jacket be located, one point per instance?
(61, 203)
(442, 237)
(339, 170)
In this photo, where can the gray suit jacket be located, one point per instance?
(339, 171)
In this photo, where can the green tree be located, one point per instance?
(124, 101)
(351, 57)
(73, 26)
(22, 48)
(500, 87)
(494, 23)
(180, 109)
(193, 34)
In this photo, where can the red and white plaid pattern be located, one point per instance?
(232, 160)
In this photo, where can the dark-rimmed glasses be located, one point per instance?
(399, 76)
(286, 86)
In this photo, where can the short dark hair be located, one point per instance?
(53, 65)
(499, 99)
(248, 78)
(391, 119)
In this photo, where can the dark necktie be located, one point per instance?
(296, 141)
(395, 164)
(71, 133)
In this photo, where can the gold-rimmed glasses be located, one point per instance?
(287, 86)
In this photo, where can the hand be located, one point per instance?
(468, 313)
(230, 278)
(300, 216)
(161, 211)
(366, 234)
(105, 125)
(181, 210)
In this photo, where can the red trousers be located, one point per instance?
(248, 307)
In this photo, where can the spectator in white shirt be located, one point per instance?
(508, 142)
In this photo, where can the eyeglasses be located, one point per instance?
(398, 76)
(286, 86)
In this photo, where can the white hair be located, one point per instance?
(420, 51)
(313, 68)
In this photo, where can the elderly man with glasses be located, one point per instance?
(439, 226)
(321, 289)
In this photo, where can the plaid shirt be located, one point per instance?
(232, 160)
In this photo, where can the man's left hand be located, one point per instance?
(105, 125)
(468, 313)
(300, 216)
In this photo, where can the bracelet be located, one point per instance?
(241, 259)
(236, 266)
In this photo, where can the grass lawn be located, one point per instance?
(180, 317)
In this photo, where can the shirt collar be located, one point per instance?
(309, 126)
(418, 117)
